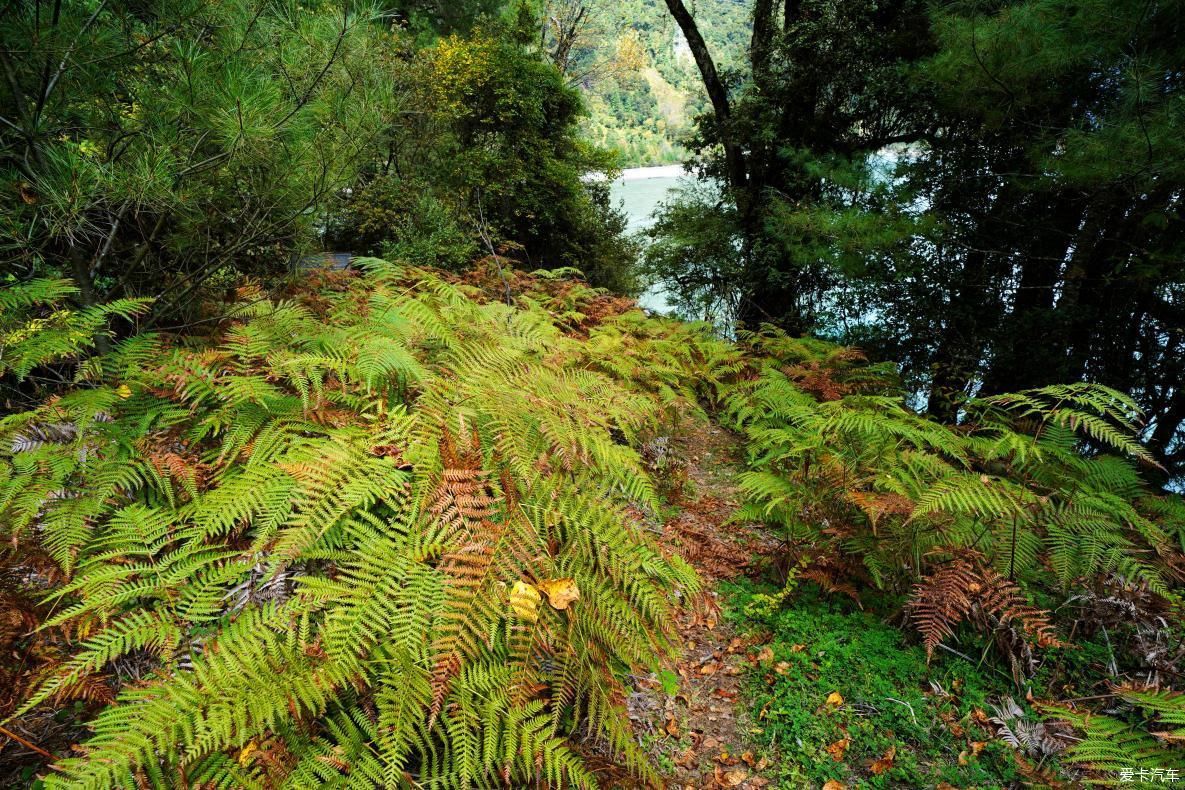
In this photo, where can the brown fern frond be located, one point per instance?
(833, 578)
(942, 600)
(1003, 599)
(963, 590)
(462, 515)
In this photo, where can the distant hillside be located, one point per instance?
(639, 77)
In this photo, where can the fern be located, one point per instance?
(305, 529)
(1122, 748)
(840, 464)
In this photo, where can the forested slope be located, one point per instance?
(460, 515)
(635, 71)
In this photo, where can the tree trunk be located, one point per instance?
(1025, 357)
(717, 93)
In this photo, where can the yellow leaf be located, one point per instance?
(245, 754)
(560, 592)
(524, 601)
(835, 698)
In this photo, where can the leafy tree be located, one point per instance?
(492, 155)
(165, 148)
(822, 93)
(987, 193)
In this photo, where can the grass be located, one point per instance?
(844, 697)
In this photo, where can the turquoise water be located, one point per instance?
(639, 192)
(640, 197)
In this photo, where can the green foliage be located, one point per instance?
(491, 159)
(36, 329)
(173, 146)
(633, 69)
(1139, 744)
(988, 194)
(840, 464)
(328, 537)
(892, 699)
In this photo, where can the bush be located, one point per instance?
(375, 533)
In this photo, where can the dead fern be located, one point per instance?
(961, 590)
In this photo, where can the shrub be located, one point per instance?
(371, 534)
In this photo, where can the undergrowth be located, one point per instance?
(375, 532)
(386, 529)
(843, 696)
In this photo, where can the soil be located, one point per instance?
(703, 736)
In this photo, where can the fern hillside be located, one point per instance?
(336, 450)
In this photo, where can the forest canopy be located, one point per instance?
(989, 195)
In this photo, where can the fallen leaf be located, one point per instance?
(885, 763)
(782, 667)
(765, 655)
(247, 751)
(831, 784)
(967, 755)
(709, 668)
(560, 592)
(710, 743)
(837, 749)
(524, 601)
(672, 727)
(687, 759)
(734, 778)
(835, 699)
(797, 648)
(748, 757)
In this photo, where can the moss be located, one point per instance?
(893, 702)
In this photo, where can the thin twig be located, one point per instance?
(489, 243)
(906, 704)
(27, 744)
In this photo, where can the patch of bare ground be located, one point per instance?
(700, 736)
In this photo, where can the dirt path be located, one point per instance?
(700, 736)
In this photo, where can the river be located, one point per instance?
(638, 191)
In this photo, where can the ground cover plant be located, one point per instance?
(842, 696)
(393, 526)
(369, 533)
